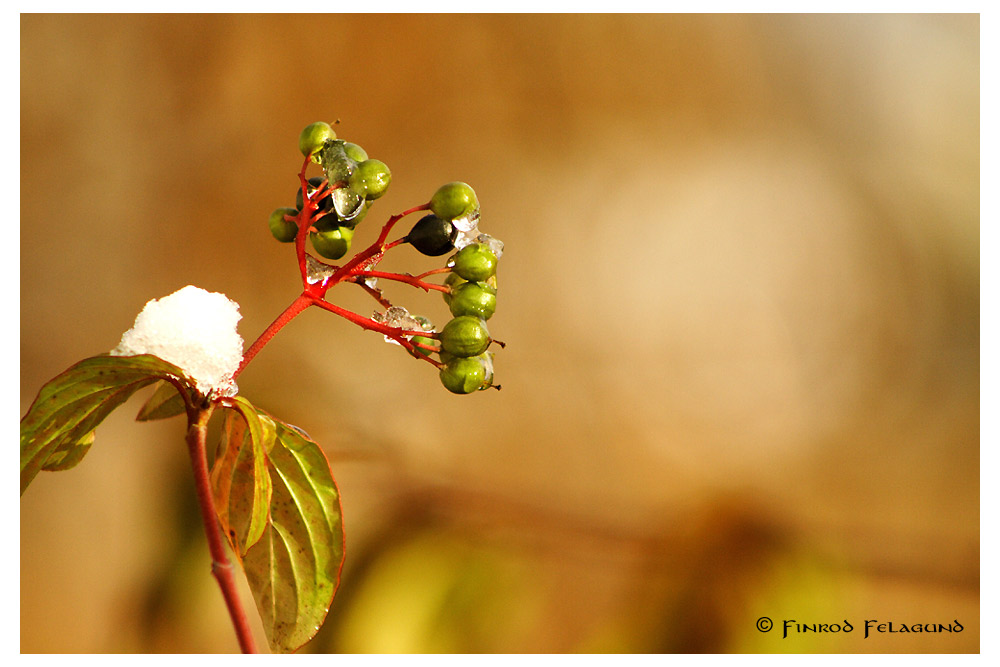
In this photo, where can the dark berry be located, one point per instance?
(432, 236)
(324, 204)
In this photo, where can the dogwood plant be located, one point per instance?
(269, 493)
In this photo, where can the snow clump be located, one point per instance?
(194, 330)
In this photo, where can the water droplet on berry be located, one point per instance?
(347, 203)
(339, 167)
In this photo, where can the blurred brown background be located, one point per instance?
(740, 297)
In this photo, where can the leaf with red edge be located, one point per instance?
(240, 478)
(58, 428)
(294, 569)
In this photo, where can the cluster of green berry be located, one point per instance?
(331, 207)
(355, 181)
(472, 284)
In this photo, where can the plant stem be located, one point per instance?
(301, 303)
(404, 278)
(375, 249)
(221, 567)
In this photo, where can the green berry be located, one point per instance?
(454, 200)
(474, 262)
(465, 336)
(423, 340)
(283, 230)
(425, 324)
(355, 152)
(333, 243)
(453, 280)
(432, 236)
(313, 136)
(370, 179)
(478, 299)
(465, 375)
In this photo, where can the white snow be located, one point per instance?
(194, 330)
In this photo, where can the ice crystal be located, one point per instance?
(338, 168)
(398, 317)
(317, 271)
(495, 245)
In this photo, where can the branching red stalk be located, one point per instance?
(375, 294)
(312, 294)
(296, 307)
(222, 568)
(432, 272)
(374, 250)
(404, 278)
(304, 220)
(396, 333)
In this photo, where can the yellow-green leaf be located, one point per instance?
(55, 431)
(294, 570)
(240, 479)
(165, 402)
(68, 454)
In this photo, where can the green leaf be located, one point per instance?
(68, 454)
(165, 402)
(294, 569)
(58, 428)
(240, 478)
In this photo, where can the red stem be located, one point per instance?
(432, 272)
(375, 294)
(375, 249)
(404, 278)
(398, 334)
(222, 569)
(301, 303)
(304, 220)
(361, 320)
(313, 294)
